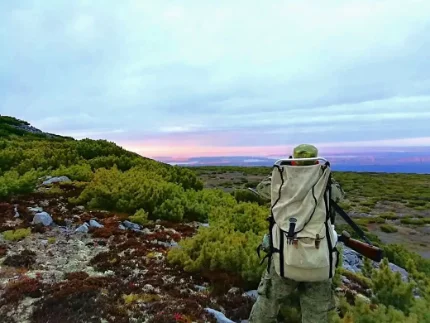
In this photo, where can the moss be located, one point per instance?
(16, 235)
(388, 228)
(51, 240)
(145, 298)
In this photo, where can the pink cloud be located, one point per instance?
(186, 146)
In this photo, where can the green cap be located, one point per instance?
(305, 151)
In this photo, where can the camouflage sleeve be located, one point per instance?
(337, 193)
(263, 188)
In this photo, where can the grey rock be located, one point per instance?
(220, 317)
(353, 261)
(252, 294)
(200, 288)
(345, 280)
(131, 225)
(95, 224)
(60, 179)
(206, 225)
(146, 231)
(234, 290)
(16, 211)
(121, 227)
(42, 218)
(148, 288)
(80, 208)
(83, 228)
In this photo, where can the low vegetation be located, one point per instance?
(111, 178)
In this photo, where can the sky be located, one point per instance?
(200, 78)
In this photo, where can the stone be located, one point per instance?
(148, 288)
(234, 290)
(121, 227)
(83, 228)
(95, 224)
(220, 317)
(352, 261)
(60, 179)
(252, 294)
(131, 225)
(200, 288)
(16, 211)
(42, 218)
(146, 231)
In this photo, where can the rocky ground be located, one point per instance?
(92, 266)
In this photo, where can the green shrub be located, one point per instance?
(389, 216)
(12, 183)
(243, 195)
(228, 244)
(390, 290)
(140, 217)
(413, 221)
(82, 172)
(388, 228)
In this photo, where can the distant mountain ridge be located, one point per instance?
(413, 161)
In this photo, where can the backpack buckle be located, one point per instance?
(291, 229)
(317, 241)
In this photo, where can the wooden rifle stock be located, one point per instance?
(367, 250)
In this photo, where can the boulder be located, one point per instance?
(60, 179)
(220, 317)
(42, 218)
(16, 211)
(353, 261)
(83, 228)
(131, 225)
(95, 224)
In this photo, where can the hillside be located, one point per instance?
(93, 233)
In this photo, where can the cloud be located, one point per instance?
(227, 74)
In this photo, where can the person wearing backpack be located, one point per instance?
(301, 243)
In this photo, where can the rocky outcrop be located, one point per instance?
(353, 261)
(52, 180)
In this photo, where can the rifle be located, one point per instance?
(368, 251)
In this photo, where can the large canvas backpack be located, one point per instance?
(303, 238)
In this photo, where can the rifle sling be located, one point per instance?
(348, 220)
